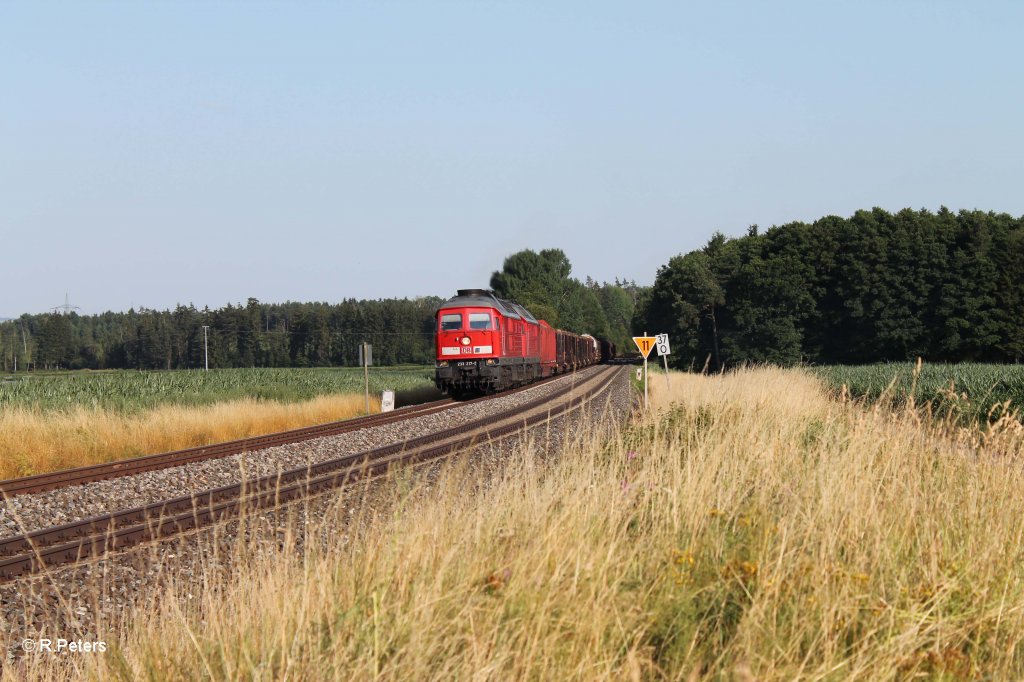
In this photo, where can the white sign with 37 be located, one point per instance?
(662, 344)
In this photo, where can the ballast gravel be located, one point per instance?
(26, 513)
(90, 602)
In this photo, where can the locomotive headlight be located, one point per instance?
(443, 363)
(466, 341)
(491, 361)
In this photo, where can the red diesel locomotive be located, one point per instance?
(487, 344)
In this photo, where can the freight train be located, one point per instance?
(487, 344)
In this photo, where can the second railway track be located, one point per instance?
(129, 467)
(75, 542)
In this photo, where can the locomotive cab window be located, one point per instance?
(480, 321)
(451, 322)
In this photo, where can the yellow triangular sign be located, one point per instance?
(645, 344)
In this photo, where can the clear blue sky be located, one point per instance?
(204, 152)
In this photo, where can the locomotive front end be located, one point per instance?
(468, 347)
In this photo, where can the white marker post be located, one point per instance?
(387, 401)
(645, 344)
(664, 350)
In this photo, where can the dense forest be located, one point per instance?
(251, 335)
(873, 287)
(295, 334)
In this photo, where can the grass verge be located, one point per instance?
(35, 441)
(748, 527)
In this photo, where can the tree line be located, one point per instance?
(542, 283)
(873, 287)
(252, 335)
(876, 286)
(302, 334)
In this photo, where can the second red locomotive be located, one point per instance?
(487, 344)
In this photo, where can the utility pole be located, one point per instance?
(24, 343)
(67, 307)
(206, 347)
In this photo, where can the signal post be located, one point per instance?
(645, 344)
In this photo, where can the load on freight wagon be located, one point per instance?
(487, 344)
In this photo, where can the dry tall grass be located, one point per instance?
(37, 441)
(748, 529)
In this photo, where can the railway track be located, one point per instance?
(90, 538)
(137, 465)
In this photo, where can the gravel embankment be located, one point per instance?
(90, 602)
(26, 513)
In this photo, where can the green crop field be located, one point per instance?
(131, 391)
(967, 390)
